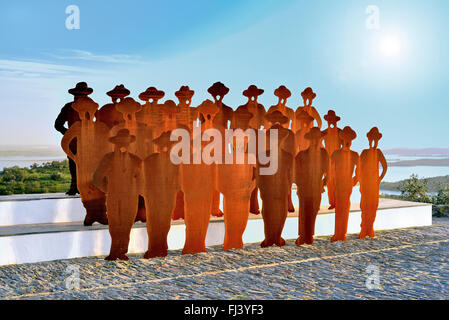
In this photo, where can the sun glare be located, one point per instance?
(390, 46)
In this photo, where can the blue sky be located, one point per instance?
(322, 44)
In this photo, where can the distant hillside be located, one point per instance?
(30, 151)
(441, 152)
(433, 184)
(421, 162)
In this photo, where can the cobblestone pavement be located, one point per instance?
(410, 264)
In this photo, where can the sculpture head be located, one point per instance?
(304, 119)
(163, 142)
(85, 107)
(283, 94)
(373, 137)
(252, 93)
(208, 110)
(331, 118)
(242, 118)
(81, 90)
(122, 140)
(170, 109)
(128, 107)
(347, 135)
(119, 92)
(152, 95)
(276, 117)
(314, 135)
(218, 90)
(308, 95)
(184, 95)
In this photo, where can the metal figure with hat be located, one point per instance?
(108, 113)
(151, 113)
(283, 94)
(332, 143)
(218, 90)
(69, 115)
(236, 181)
(308, 96)
(303, 121)
(161, 183)
(368, 173)
(198, 183)
(275, 188)
(343, 162)
(91, 144)
(256, 122)
(311, 168)
(119, 176)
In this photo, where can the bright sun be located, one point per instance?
(390, 46)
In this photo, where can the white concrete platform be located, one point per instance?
(22, 240)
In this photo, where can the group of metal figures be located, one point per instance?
(120, 161)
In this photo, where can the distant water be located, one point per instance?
(26, 161)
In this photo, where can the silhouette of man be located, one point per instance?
(368, 173)
(69, 115)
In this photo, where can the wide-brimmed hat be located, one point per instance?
(252, 91)
(81, 89)
(184, 92)
(243, 114)
(282, 92)
(85, 104)
(218, 89)
(276, 117)
(151, 93)
(119, 92)
(331, 117)
(347, 134)
(308, 93)
(208, 109)
(303, 116)
(128, 106)
(314, 134)
(123, 137)
(169, 107)
(374, 134)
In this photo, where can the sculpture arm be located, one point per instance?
(317, 117)
(61, 120)
(68, 137)
(383, 162)
(355, 179)
(100, 177)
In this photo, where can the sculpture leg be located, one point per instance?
(216, 212)
(254, 207)
(331, 192)
(178, 213)
(95, 211)
(274, 212)
(342, 206)
(73, 185)
(301, 222)
(197, 213)
(235, 217)
(158, 226)
(291, 207)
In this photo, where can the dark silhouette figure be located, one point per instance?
(343, 162)
(119, 176)
(368, 174)
(256, 122)
(69, 115)
(108, 113)
(91, 145)
(161, 183)
(331, 143)
(275, 188)
(311, 170)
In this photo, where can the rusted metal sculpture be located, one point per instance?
(308, 96)
(236, 182)
(275, 188)
(311, 168)
(343, 162)
(119, 176)
(160, 186)
(91, 145)
(108, 113)
(332, 143)
(368, 174)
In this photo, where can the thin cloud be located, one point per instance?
(89, 56)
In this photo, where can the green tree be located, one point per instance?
(414, 189)
(442, 197)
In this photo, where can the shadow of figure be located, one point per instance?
(91, 145)
(236, 182)
(69, 115)
(161, 184)
(198, 183)
(275, 188)
(119, 176)
(368, 174)
(311, 174)
(343, 162)
(256, 122)
(332, 143)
